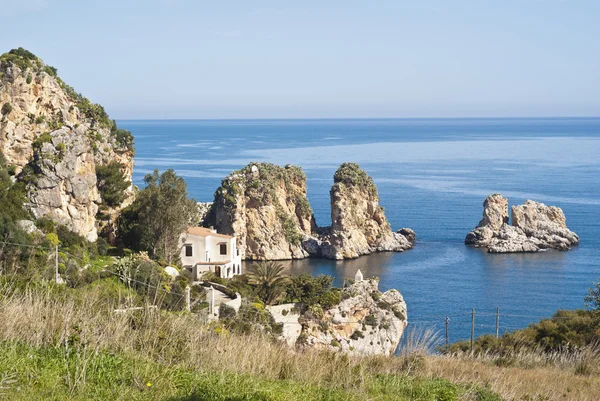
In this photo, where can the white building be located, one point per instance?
(203, 250)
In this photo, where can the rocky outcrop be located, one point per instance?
(366, 322)
(358, 222)
(535, 227)
(54, 139)
(266, 208)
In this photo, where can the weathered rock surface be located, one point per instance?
(366, 322)
(359, 226)
(266, 208)
(535, 227)
(56, 146)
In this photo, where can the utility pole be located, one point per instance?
(472, 328)
(188, 306)
(497, 321)
(57, 277)
(447, 337)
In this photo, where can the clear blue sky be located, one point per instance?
(277, 59)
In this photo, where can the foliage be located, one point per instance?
(251, 318)
(22, 58)
(6, 108)
(350, 174)
(565, 330)
(160, 214)
(123, 137)
(290, 229)
(268, 280)
(111, 183)
(592, 299)
(310, 290)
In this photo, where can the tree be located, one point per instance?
(269, 280)
(592, 300)
(158, 217)
(111, 183)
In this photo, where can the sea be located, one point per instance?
(433, 176)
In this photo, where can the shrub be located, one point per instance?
(6, 108)
(29, 79)
(357, 334)
(226, 312)
(39, 120)
(371, 320)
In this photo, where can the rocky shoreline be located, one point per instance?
(535, 227)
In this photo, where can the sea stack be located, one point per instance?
(535, 227)
(358, 222)
(266, 208)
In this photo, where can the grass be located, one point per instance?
(61, 344)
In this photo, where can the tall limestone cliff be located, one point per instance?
(358, 222)
(266, 208)
(55, 139)
(535, 227)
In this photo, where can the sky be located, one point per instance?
(159, 59)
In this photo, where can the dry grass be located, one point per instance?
(526, 375)
(88, 324)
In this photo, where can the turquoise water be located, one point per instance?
(432, 175)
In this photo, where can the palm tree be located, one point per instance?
(269, 281)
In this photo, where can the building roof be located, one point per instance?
(206, 232)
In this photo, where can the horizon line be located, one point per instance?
(358, 118)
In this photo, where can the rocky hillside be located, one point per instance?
(266, 208)
(56, 140)
(535, 227)
(366, 322)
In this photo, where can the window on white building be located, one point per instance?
(189, 252)
(223, 249)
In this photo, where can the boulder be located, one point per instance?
(535, 227)
(365, 322)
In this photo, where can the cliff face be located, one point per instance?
(366, 322)
(359, 225)
(266, 208)
(55, 139)
(535, 227)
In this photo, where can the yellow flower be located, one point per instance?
(149, 384)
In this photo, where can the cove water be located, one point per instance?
(433, 176)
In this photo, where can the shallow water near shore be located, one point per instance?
(432, 175)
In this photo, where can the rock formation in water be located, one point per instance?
(358, 223)
(535, 227)
(54, 139)
(366, 322)
(266, 208)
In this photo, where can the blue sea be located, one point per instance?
(432, 175)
